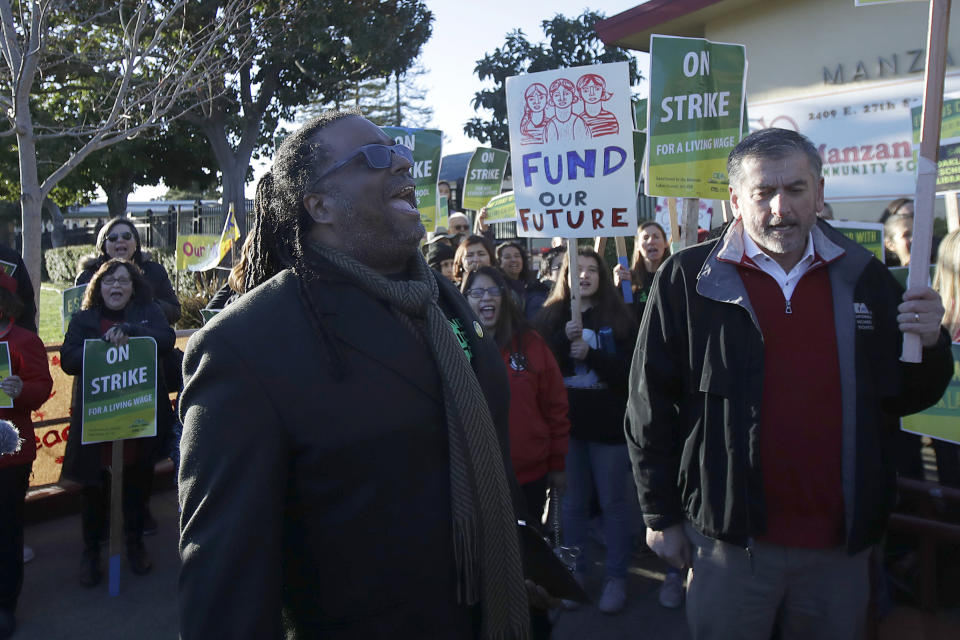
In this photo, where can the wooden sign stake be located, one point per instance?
(691, 216)
(953, 212)
(116, 518)
(927, 161)
(573, 279)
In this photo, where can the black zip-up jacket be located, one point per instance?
(696, 385)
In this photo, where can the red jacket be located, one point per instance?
(28, 359)
(539, 422)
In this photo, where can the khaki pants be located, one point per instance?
(810, 593)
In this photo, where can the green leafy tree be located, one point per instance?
(306, 51)
(396, 100)
(180, 157)
(93, 73)
(571, 42)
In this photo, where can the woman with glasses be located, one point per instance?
(594, 356)
(119, 239)
(539, 426)
(117, 305)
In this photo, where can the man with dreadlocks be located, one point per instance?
(345, 466)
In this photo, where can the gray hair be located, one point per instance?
(771, 144)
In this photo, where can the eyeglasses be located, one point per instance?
(378, 156)
(123, 282)
(495, 292)
(126, 235)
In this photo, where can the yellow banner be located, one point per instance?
(194, 249)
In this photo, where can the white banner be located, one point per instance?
(863, 134)
(571, 150)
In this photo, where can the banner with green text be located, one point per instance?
(948, 155)
(869, 235)
(427, 145)
(942, 420)
(502, 208)
(72, 299)
(119, 389)
(695, 115)
(484, 177)
(571, 150)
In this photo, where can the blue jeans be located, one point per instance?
(604, 468)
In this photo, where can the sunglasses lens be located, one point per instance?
(378, 156)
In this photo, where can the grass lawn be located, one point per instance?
(51, 325)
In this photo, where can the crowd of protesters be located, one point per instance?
(572, 382)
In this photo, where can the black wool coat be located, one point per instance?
(314, 480)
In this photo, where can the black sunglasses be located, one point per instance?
(378, 156)
(126, 235)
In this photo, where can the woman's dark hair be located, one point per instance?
(893, 207)
(93, 297)
(511, 323)
(107, 229)
(281, 221)
(11, 306)
(638, 271)
(524, 262)
(609, 304)
(461, 253)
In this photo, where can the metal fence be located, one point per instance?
(160, 230)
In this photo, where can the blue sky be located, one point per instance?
(463, 32)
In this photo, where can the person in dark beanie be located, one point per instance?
(440, 258)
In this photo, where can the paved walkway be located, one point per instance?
(54, 606)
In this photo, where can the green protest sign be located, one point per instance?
(119, 389)
(6, 402)
(207, 314)
(639, 146)
(694, 118)
(868, 235)
(502, 208)
(900, 274)
(8, 267)
(427, 145)
(948, 156)
(640, 114)
(443, 220)
(942, 420)
(484, 177)
(72, 299)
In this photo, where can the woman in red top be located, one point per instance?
(29, 387)
(539, 426)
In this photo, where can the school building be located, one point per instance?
(845, 76)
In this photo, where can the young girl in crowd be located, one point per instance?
(594, 356)
(649, 253)
(474, 252)
(515, 266)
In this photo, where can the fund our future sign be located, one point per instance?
(571, 151)
(119, 390)
(695, 115)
